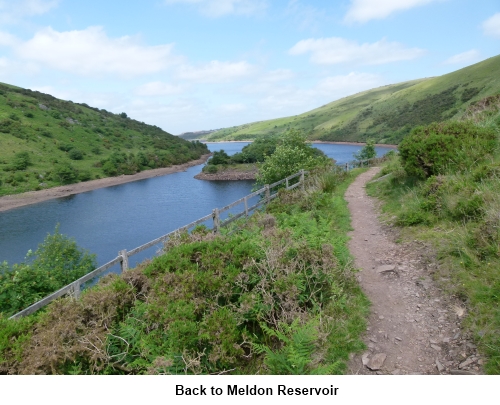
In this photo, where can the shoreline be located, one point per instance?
(9, 202)
(386, 145)
(328, 142)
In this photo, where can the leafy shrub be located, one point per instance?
(75, 154)
(219, 158)
(57, 262)
(443, 147)
(21, 161)
(210, 168)
(291, 155)
(65, 173)
(65, 147)
(367, 152)
(29, 115)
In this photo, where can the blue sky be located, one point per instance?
(188, 65)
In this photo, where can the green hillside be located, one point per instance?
(45, 142)
(386, 113)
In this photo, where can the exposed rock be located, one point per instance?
(43, 107)
(386, 268)
(439, 366)
(377, 361)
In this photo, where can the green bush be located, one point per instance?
(445, 147)
(57, 262)
(219, 158)
(367, 152)
(75, 154)
(212, 169)
(292, 154)
(65, 173)
(21, 161)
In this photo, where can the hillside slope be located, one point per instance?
(45, 142)
(386, 113)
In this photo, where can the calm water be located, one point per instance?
(107, 220)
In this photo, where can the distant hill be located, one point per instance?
(386, 113)
(46, 142)
(189, 136)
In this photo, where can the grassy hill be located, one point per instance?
(386, 113)
(45, 142)
(190, 136)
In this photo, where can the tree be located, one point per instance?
(65, 173)
(292, 154)
(57, 262)
(219, 158)
(367, 152)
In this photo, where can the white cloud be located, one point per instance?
(216, 72)
(464, 57)
(365, 10)
(159, 89)
(277, 75)
(219, 8)
(292, 100)
(344, 85)
(231, 108)
(330, 51)
(91, 52)
(7, 39)
(306, 17)
(13, 11)
(491, 26)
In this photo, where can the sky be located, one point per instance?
(190, 65)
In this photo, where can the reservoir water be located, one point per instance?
(107, 220)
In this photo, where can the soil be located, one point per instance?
(229, 175)
(414, 327)
(32, 197)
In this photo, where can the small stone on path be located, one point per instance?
(377, 361)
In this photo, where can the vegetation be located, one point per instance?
(386, 114)
(367, 152)
(444, 188)
(57, 262)
(276, 156)
(292, 154)
(46, 142)
(278, 296)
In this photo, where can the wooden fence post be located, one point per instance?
(302, 179)
(124, 256)
(268, 193)
(76, 290)
(215, 215)
(287, 183)
(246, 206)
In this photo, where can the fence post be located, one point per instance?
(76, 289)
(287, 183)
(215, 216)
(268, 193)
(246, 206)
(302, 179)
(124, 256)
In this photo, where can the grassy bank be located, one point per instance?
(47, 142)
(456, 211)
(278, 296)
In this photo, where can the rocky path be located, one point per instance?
(413, 328)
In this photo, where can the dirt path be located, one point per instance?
(413, 328)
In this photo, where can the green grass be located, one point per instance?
(278, 296)
(59, 134)
(387, 113)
